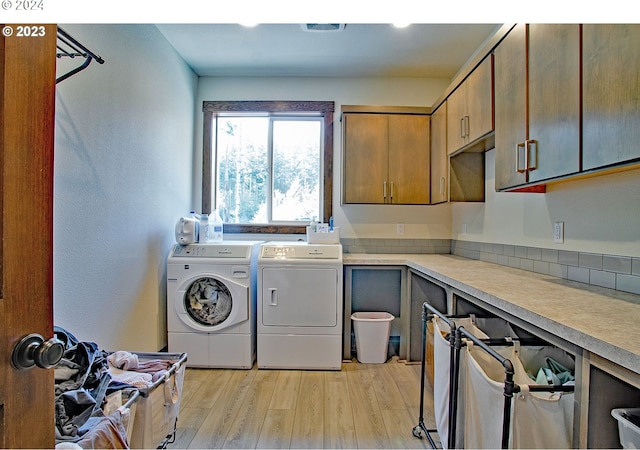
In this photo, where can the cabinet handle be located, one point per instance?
(466, 126)
(532, 154)
(520, 168)
(384, 190)
(442, 180)
(462, 130)
(391, 197)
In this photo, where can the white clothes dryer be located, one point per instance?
(300, 306)
(211, 303)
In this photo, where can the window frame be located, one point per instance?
(211, 109)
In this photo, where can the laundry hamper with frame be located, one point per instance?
(505, 428)
(159, 404)
(532, 416)
(448, 419)
(445, 387)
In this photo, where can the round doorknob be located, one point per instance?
(34, 350)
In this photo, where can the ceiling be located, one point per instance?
(358, 50)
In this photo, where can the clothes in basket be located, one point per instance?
(82, 387)
(159, 403)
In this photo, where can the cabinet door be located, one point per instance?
(439, 155)
(480, 100)
(409, 159)
(611, 94)
(365, 153)
(554, 100)
(456, 110)
(510, 106)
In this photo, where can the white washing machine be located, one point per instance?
(211, 303)
(300, 306)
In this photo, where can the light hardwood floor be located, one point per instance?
(361, 406)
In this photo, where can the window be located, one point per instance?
(267, 169)
(267, 166)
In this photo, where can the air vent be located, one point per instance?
(323, 26)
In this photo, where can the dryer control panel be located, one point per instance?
(297, 251)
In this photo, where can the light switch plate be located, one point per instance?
(558, 232)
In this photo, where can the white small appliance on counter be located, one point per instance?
(187, 230)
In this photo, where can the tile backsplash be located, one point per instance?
(609, 271)
(398, 246)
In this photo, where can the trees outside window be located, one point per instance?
(267, 166)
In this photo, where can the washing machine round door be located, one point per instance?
(208, 301)
(212, 303)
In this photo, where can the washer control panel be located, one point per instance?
(212, 251)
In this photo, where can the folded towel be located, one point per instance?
(154, 365)
(123, 360)
(135, 379)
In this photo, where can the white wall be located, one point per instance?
(123, 167)
(600, 215)
(363, 221)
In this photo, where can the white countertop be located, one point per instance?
(603, 321)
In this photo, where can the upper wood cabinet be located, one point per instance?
(470, 108)
(439, 155)
(386, 158)
(537, 104)
(611, 94)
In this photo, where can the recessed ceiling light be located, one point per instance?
(400, 25)
(248, 24)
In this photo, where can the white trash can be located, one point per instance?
(372, 336)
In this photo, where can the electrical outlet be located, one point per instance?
(400, 229)
(558, 232)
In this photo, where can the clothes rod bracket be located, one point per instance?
(69, 47)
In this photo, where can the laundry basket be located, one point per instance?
(442, 366)
(536, 419)
(482, 328)
(159, 404)
(126, 399)
(628, 431)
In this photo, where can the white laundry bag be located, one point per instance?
(441, 374)
(537, 419)
(541, 419)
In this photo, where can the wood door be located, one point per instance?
(27, 102)
(365, 153)
(554, 99)
(510, 106)
(480, 100)
(439, 156)
(409, 159)
(611, 94)
(456, 110)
